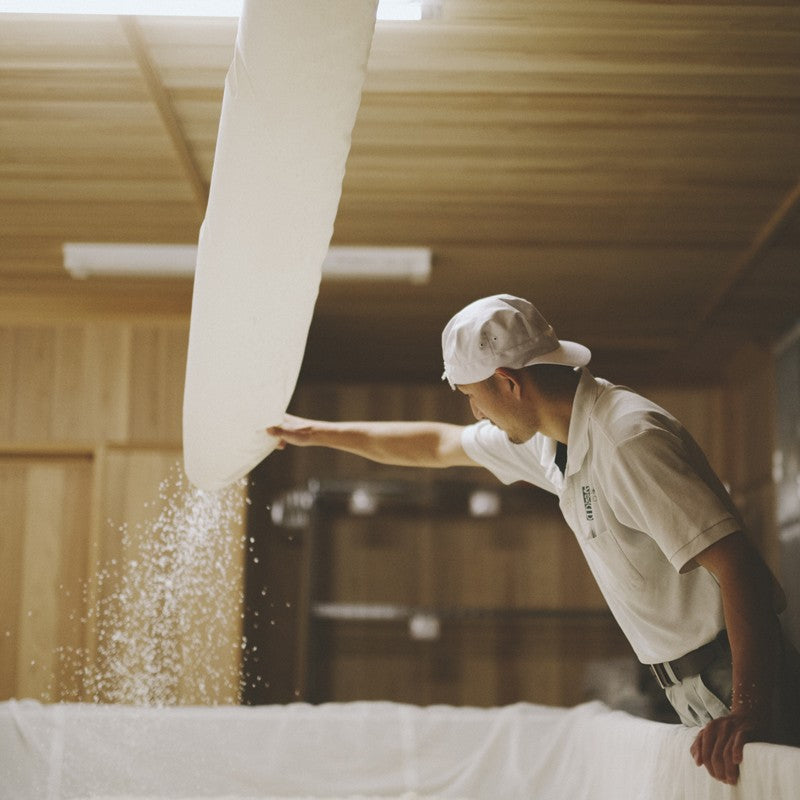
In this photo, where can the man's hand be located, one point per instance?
(293, 430)
(719, 746)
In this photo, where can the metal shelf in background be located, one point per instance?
(425, 622)
(382, 612)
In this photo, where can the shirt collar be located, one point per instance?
(585, 397)
(548, 461)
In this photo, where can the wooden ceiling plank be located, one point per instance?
(78, 190)
(624, 14)
(167, 114)
(726, 286)
(153, 220)
(763, 239)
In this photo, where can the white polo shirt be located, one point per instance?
(642, 501)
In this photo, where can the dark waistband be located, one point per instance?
(671, 673)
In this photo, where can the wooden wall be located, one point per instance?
(90, 417)
(45, 514)
(90, 429)
(542, 628)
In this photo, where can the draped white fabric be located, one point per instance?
(290, 101)
(66, 752)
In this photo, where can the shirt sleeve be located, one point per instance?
(489, 446)
(662, 485)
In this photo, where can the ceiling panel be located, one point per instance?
(630, 166)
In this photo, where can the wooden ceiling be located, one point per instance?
(632, 167)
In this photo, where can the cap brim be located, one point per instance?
(570, 354)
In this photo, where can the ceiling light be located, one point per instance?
(98, 259)
(399, 263)
(387, 9)
(400, 10)
(126, 260)
(176, 8)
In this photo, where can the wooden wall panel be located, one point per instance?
(522, 560)
(32, 367)
(42, 557)
(91, 375)
(45, 539)
(92, 382)
(77, 399)
(750, 429)
(484, 662)
(12, 522)
(7, 384)
(158, 366)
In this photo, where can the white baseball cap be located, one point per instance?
(502, 331)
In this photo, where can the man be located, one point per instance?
(655, 524)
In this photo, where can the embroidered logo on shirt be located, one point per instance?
(588, 497)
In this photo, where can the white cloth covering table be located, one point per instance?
(366, 749)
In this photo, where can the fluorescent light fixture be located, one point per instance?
(387, 9)
(127, 260)
(412, 264)
(169, 8)
(98, 259)
(398, 10)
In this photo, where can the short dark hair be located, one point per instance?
(553, 379)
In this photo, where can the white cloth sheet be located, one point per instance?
(66, 752)
(290, 102)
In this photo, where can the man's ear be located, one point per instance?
(510, 378)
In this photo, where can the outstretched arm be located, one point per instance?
(751, 599)
(406, 444)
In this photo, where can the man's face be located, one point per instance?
(496, 400)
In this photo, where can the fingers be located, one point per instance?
(708, 751)
(697, 749)
(292, 430)
(719, 747)
(276, 432)
(279, 432)
(737, 746)
(286, 426)
(714, 744)
(727, 769)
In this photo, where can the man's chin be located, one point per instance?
(511, 438)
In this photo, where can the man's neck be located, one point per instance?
(556, 418)
(556, 410)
